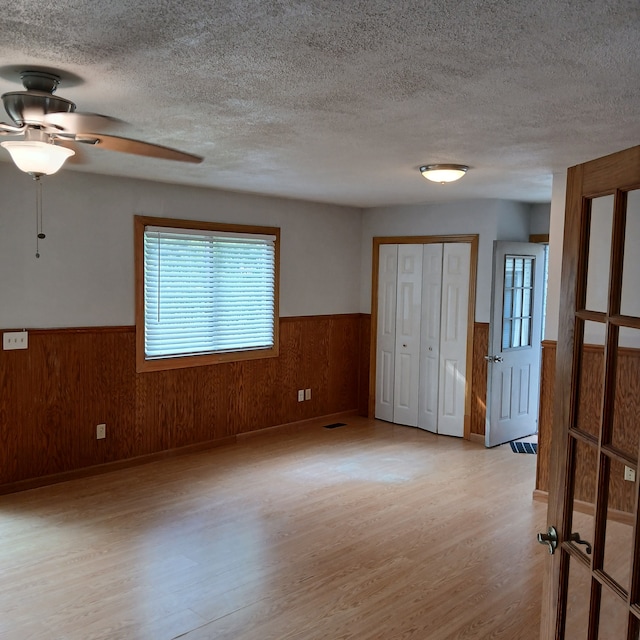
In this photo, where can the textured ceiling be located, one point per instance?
(343, 101)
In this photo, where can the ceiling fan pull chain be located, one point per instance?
(39, 234)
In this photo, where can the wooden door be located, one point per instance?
(592, 584)
(513, 383)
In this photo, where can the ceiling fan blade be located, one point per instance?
(137, 147)
(76, 121)
(10, 129)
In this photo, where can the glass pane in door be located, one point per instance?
(591, 379)
(517, 309)
(626, 424)
(614, 614)
(599, 253)
(578, 596)
(584, 497)
(618, 547)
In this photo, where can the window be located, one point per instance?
(205, 293)
(517, 302)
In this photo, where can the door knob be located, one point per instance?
(575, 537)
(494, 358)
(550, 538)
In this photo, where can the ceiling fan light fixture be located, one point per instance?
(36, 157)
(443, 172)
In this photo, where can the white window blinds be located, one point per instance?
(207, 292)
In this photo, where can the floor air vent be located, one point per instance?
(335, 425)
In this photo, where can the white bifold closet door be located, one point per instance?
(423, 294)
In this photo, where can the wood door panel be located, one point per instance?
(616, 171)
(592, 400)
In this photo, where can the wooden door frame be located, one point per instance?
(584, 182)
(473, 269)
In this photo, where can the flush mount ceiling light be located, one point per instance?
(37, 157)
(443, 172)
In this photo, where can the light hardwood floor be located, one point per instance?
(369, 531)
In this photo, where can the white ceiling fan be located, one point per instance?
(51, 128)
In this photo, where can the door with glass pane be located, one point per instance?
(514, 345)
(592, 581)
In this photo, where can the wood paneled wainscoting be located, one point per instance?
(479, 378)
(54, 394)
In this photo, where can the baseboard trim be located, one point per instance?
(108, 467)
(478, 438)
(290, 427)
(541, 496)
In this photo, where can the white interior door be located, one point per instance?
(386, 336)
(407, 352)
(514, 342)
(421, 353)
(456, 261)
(430, 337)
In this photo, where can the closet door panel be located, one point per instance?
(408, 319)
(386, 332)
(453, 337)
(430, 337)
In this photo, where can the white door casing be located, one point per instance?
(514, 342)
(386, 336)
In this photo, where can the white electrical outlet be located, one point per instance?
(300, 395)
(307, 394)
(101, 431)
(629, 474)
(15, 340)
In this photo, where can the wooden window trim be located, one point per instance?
(182, 362)
(539, 238)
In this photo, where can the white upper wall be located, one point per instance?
(490, 219)
(539, 218)
(513, 220)
(85, 274)
(85, 277)
(556, 235)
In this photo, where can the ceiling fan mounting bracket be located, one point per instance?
(40, 81)
(28, 107)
